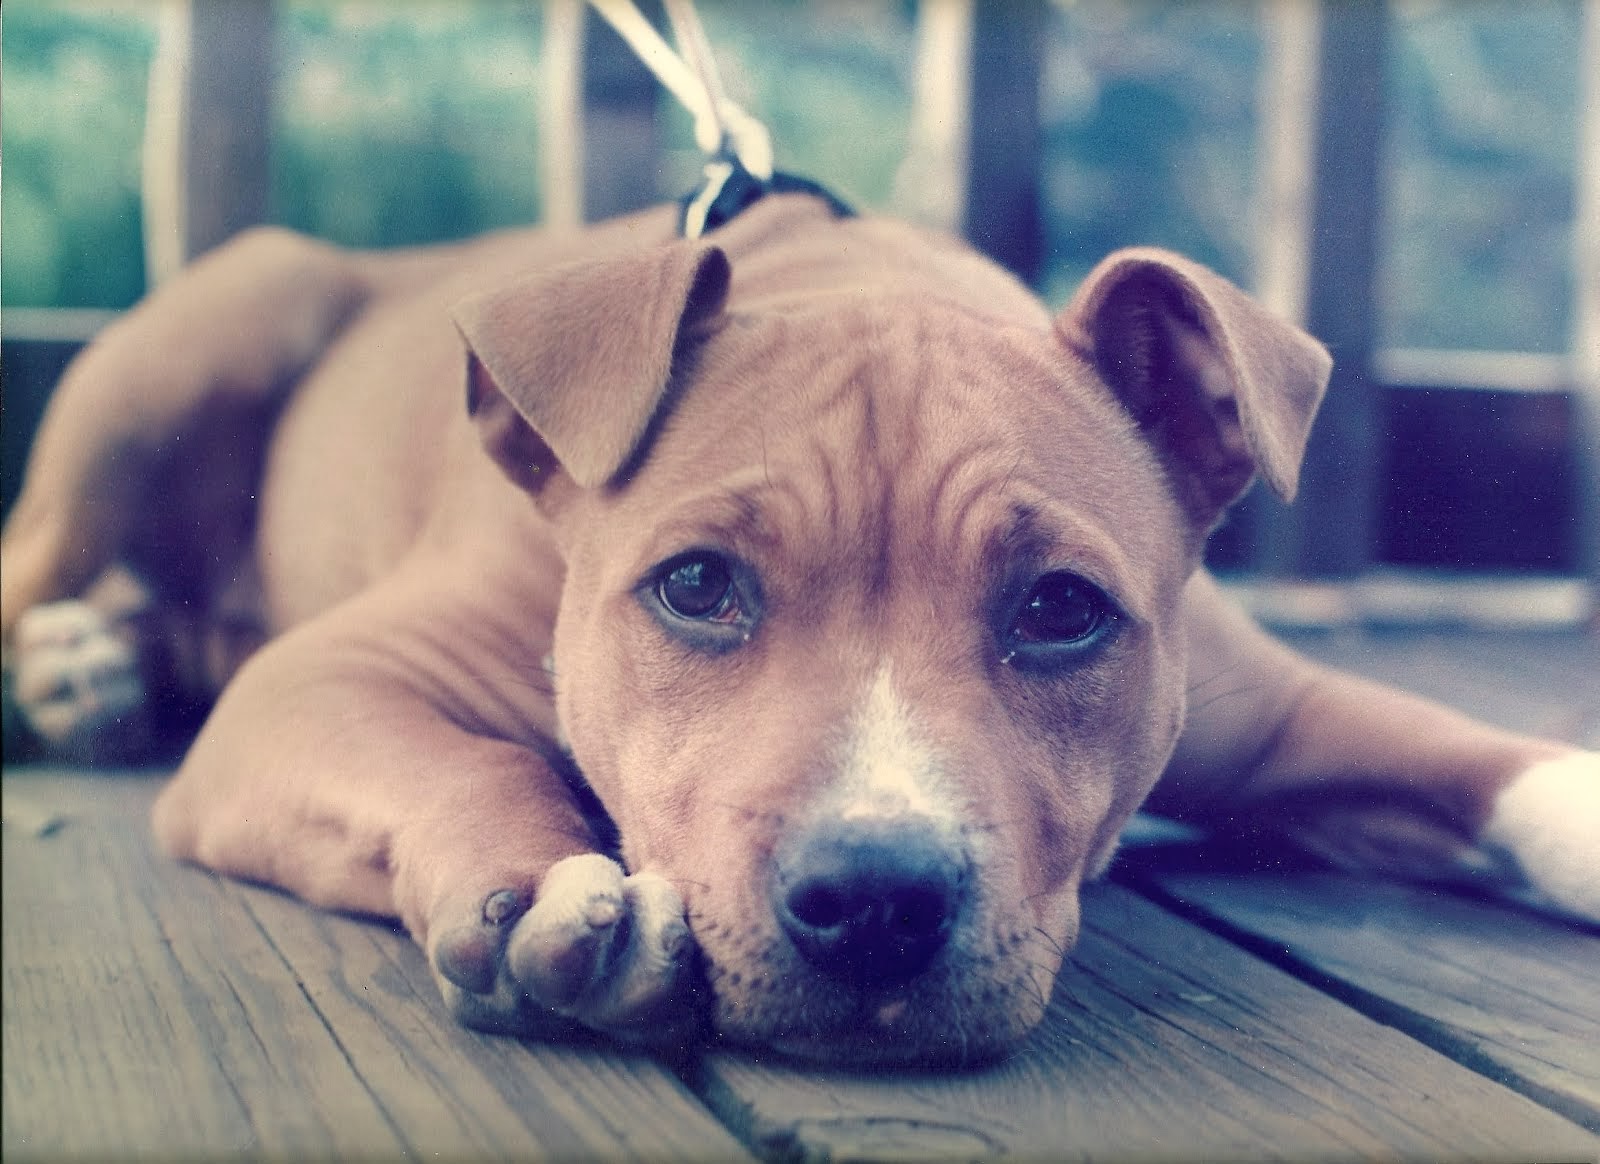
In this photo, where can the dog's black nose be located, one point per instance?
(869, 901)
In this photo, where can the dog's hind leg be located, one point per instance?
(1370, 776)
(226, 338)
(147, 463)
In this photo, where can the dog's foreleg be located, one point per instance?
(1370, 775)
(333, 767)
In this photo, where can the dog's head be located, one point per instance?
(871, 635)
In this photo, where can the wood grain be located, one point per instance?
(1512, 993)
(153, 1010)
(1163, 1042)
(157, 1011)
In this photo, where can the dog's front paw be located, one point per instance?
(598, 948)
(77, 684)
(1548, 819)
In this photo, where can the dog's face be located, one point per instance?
(872, 650)
(894, 622)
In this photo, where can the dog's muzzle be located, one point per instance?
(869, 902)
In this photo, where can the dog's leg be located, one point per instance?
(349, 763)
(1371, 775)
(133, 523)
(222, 342)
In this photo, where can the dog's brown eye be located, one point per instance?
(699, 587)
(1062, 609)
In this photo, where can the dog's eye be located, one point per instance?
(699, 587)
(1061, 611)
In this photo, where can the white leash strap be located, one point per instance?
(738, 169)
(720, 126)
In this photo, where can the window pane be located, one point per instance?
(403, 123)
(75, 76)
(1149, 122)
(1483, 134)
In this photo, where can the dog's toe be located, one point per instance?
(469, 963)
(469, 955)
(574, 932)
(77, 682)
(611, 951)
(597, 948)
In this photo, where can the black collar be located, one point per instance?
(728, 189)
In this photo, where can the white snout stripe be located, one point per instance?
(889, 767)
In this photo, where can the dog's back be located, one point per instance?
(282, 424)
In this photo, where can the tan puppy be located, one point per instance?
(862, 593)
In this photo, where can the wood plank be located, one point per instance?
(1513, 994)
(1163, 1041)
(454, 1090)
(930, 187)
(145, 1013)
(153, 1009)
(1286, 113)
(561, 114)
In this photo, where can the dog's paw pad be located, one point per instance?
(1548, 820)
(468, 959)
(75, 680)
(558, 965)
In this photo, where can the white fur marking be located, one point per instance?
(889, 767)
(1549, 820)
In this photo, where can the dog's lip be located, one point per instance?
(871, 1026)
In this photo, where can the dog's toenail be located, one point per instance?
(505, 906)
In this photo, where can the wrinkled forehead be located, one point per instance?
(916, 425)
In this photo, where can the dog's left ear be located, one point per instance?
(1221, 388)
(568, 368)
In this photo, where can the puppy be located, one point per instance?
(771, 631)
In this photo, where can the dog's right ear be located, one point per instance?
(567, 368)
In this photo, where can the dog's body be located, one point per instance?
(870, 591)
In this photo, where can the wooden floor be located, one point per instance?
(159, 1012)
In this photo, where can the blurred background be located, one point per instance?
(1414, 181)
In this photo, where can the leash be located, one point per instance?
(738, 170)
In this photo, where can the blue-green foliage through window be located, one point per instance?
(408, 122)
(74, 78)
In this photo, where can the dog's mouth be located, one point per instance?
(874, 939)
(972, 1003)
(911, 1028)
